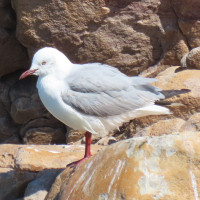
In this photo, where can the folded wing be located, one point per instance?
(101, 90)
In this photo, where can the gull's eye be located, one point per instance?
(44, 62)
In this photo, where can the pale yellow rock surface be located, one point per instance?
(143, 168)
(40, 157)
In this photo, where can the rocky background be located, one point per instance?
(151, 38)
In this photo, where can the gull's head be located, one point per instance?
(46, 61)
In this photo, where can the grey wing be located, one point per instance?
(96, 77)
(104, 91)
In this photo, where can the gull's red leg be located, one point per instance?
(88, 137)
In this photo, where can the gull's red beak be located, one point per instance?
(27, 73)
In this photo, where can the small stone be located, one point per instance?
(193, 58)
(105, 10)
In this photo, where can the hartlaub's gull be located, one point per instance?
(93, 97)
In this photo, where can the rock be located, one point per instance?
(192, 124)
(73, 135)
(106, 141)
(185, 106)
(40, 157)
(192, 59)
(28, 171)
(13, 182)
(8, 154)
(8, 128)
(129, 35)
(162, 127)
(188, 19)
(44, 130)
(183, 60)
(37, 125)
(186, 79)
(29, 157)
(44, 135)
(13, 54)
(25, 102)
(38, 188)
(159, 167)
(56, 187)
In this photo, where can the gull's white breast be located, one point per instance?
(50, 90)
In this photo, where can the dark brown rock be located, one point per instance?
(44, 135)
(188, 15)
(129, 35)
(8, 129)
(26, 104)
(13, 54)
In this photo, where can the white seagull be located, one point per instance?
(95, 98)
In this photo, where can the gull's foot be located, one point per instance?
(87, 151)
(76, 163)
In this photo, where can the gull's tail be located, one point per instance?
(169, 94)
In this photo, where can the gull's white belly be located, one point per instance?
(51, 98)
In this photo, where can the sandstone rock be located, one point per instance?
(162, 127)
(186, 105)
(129, 35)
(40, 157)
(28, 171)
(192, 59)
(162, 167)
(106, 141)
(13, 183)
(37, 158)
(187, 79)
(73, 135)
(192, 124)
(8, 153)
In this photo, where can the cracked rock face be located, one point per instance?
(126, 34)
(156, 168)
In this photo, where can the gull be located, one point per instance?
(94, 97)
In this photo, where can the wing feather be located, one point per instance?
(101, 90)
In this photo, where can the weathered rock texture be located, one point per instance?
(191, 59)
(157, 168)
(29, 171)
(186, 107)
(130, 35)
(127, 34)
